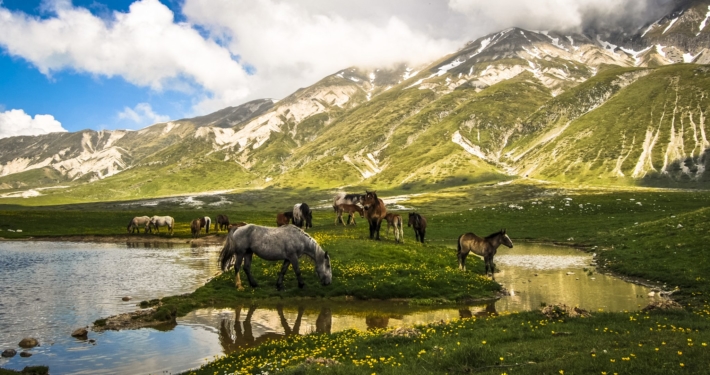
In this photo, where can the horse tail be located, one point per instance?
(458, 244)
(228, 252)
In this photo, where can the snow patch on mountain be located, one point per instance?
(704, 23)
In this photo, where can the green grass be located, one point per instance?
(673, 342)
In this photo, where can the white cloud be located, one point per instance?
(16, 122)
(556, 14)
(142, 114)
(145, 46)
(293, 46)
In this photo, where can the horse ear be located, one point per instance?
(327, 256)
(503, 230)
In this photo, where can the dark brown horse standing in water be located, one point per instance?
(485, 247)
(418, 222)
(375, 212)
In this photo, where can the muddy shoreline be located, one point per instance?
(212, 239)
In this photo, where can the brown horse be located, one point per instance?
(195, 228)
(485, 247)
(222, 222)
(394, 220)
(418, 222)
(283, 218)
(350, 209)
(375, 211)
(234, 226)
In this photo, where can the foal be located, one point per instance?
(418, 222)
(394, 220)
(350, 209)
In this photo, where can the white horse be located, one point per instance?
(137, 222)
(162, 221)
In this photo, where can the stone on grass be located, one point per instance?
(560, 311)
(321, 361)
(28, 342)
(663, 304)
(403, 332)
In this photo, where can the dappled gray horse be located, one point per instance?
(138, 222)
(485, 247)
(287, 243)
(162, 221)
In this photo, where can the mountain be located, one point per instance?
(593, 108)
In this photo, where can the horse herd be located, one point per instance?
(288, 243)
(196, 225)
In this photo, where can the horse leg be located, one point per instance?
(280, 280)
(372, 226)
(297, 270)
(237, 279)
(493, 269)
(422, 234)
(247, 270)
(460, 258)
(378, 224)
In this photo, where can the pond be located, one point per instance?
(52, 288)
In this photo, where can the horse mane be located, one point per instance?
(496, 234)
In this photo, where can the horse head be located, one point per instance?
(369, 199)
(325, 273)
(506, 240)
(413, 219)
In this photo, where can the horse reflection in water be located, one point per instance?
(489, 310)
(237, 335)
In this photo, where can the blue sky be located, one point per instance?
(79, 100)
(109, 64)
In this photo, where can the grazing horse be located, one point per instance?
(137, 222)
(485, 247)
(350, 209)
(302, 215)
(375, 211)
(283, 218)
(205, 222)
(395, 221)
(195, 227)
(286, 243)
(162, 221)
(344, 198)
(222, 222)
(418, 222)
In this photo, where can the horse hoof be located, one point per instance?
(280, 287)
(254, 285)
(300, 286)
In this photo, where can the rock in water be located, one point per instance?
(25, 354)
(9, 353)
(80, 333)
(127, 298)
(28, 342)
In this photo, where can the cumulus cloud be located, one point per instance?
(142, 114)
(16, 122)
(145, 46)
(292, 46)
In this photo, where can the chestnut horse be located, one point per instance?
(485, 247)
(394, 220)
(375, 211)
(283, 218)
(418, 222)
(195, 228)
(350, 209)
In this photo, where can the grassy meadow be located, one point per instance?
(658, 237)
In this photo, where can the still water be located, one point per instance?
(51, 288)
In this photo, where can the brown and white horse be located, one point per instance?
(375, 212)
